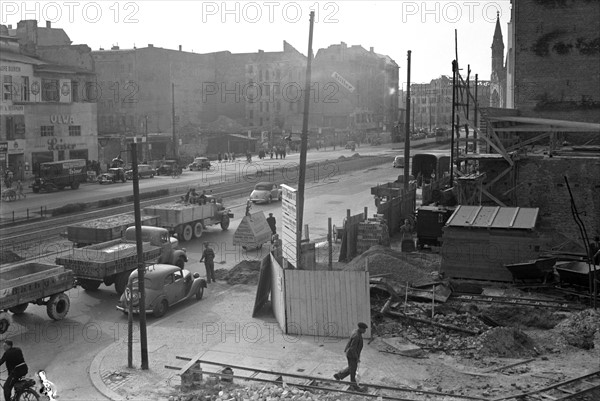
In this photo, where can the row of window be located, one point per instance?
(50, 90)
(48, 130)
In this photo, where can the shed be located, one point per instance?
(477, 241)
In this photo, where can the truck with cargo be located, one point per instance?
(104, 229)
(34, 283)
(188, 220)
(53, 176)
(113, 261)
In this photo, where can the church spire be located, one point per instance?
(498, 40)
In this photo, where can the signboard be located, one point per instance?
(289, 215)
(3, 151)
(253, 231)
(342, 81)
(12, 109)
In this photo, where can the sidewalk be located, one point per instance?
(228, 335)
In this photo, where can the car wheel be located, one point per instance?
(161, 308)
(225, 223)
(199, 293)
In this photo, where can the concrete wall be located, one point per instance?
(557, 59)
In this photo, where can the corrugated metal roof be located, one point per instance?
(494, 217)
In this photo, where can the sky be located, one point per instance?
(426, 28)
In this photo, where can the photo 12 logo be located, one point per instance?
(70, 11)
(450, 11)
(271, 11)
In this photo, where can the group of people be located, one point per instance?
(192, 197)
(279, 153)
(226, 157)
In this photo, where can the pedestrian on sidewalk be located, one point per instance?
(208, 256)
(20, 190)
(353, 350)
(272, 223)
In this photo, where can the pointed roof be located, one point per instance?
(498, 40)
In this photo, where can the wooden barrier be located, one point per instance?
(398, 208)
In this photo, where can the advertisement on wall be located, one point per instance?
(289, 215)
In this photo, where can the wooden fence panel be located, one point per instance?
(349, 246)
(326, 303)
(278, 293)
(397, 209)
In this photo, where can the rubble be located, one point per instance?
(245, 272)
(580, 329)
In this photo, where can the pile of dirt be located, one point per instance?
(245, 272)
(581, 329)
(394, 265)
(506, 342)
(8, 256)
(522, 316)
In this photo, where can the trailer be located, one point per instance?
(113, 261)
(188, 220)
(34, 283)
(105, 229)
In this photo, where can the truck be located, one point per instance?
(104, 229)
(188, 220)
(430, 222)
(34, 283)
(52, 176)
(113, 261)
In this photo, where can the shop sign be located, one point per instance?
(62, 119)
(12, 109)
(57, 144)
(16, 146)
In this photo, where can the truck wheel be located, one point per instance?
(225, 222)
(187, 232)
(75, 185)
(58, 306)
(17, 310)
(199, 293)
(161, 308)
(4, 324)
(121, 281)
(90, 285)
(198, 228)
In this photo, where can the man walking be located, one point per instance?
(208, 257)
(15, 365)
(353, 350)
(272, 223)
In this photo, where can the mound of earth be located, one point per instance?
(245, 272)
(581, 329)
(506, 342)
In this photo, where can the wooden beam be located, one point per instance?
(492, 197)
(528, 141)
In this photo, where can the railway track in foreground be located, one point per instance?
(583, 388)
(554, 304)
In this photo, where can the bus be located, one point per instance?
(430, 165)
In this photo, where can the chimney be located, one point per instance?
(114, 48)
(48, 24)
(179, 47)
(150, 45)
(9, 26)
(371, 49)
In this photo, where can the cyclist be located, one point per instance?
(15, 364)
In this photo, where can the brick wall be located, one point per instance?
(557, 59)
(541, 184)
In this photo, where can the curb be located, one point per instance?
(95, 375)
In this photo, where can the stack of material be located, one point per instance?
(372, 232)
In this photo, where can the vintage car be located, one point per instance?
(165, 286)
(200, 163)
(112, 175)
(166, 167)
(351, 145)
(144, 171)
(398, 162)
(265, 192)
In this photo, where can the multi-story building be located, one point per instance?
(358, 88)
(48, 109)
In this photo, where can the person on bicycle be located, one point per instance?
(15, 364)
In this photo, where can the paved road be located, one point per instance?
(65, 349)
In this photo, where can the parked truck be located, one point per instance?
(52, 176)
(105, 228)
(34, 283)
(188, 220)
(113, 261)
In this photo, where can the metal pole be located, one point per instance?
(303, 145)
(475, 116)
(140, 259)
(407, 126)
(454, 67)
(147, 144)
(175, 144)
(330, 245)
(466, 122)
(130, 328)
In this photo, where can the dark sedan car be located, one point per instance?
(144, 171)
(166, 168)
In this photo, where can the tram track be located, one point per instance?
(583, 388)
(540, 303)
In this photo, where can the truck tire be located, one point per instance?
(161, 308)
(225, 222)
(4, 324)
(121, 281)
(58, 306)
(17, 310)
(198, 228)
(187, 232)
(75, 185)
(89, 285)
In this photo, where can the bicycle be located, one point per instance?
(22, 389)
(176, 173)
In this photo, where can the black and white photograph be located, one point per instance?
(305, 200)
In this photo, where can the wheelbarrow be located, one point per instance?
(9, 195)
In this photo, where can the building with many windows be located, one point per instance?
(47, 108)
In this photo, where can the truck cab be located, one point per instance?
(171, 252)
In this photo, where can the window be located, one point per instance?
(74, 91)
(24, 89)
(259, 75)
(168, 279)
(266, 75)
(74, 130)
(267, 106)
(7, 88)
(50, 90)
(260, 105)
(47, 130)
(177, 275)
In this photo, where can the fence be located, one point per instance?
(398, 208)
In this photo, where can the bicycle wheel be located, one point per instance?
(27, 395)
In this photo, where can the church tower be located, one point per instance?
(498, 76)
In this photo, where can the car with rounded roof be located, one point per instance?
(144, 171)
(266, 192)
(200, 163)
(164, 286)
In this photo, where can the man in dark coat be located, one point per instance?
(353, 350)
(208, 257)
(272, 223)
(15, 365)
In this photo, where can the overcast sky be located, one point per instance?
(391, 27)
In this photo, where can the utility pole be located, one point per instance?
(407, 125)
(147, 143)
(476, 148)
(467, 116)
(140, 257)
(303, 146)
(175, 144)
(454, 68)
